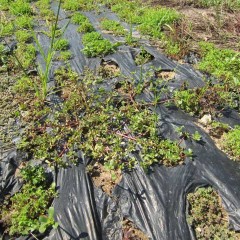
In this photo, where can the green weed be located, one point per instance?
(222, 63)
(26, 54)
(128, 11)
(207, 100)
(4, 5)
(225, 4)
(143, 57)
(71, 5)
(6, 28)
(64, 56)
(78, 18)
(85, 25)
(217, 129)
(110, 126)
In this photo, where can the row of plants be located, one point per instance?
(93, 42)
(29, 210)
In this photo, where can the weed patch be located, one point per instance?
(22, 212)
(61, 44)
(20, 7)
(231, 143)
(153, 20)
(143, 57)
(222, 63)
(207, 100)
(207, 216)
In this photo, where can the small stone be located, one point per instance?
(206, 119)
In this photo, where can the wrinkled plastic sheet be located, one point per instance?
(155, 201)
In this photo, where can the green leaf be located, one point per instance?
(43, 219)
(51, 212)
(42, 228)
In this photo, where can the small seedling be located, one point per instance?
(196, 136)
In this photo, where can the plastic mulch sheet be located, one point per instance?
(154, 201)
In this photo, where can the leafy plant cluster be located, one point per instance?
(217, 129)
(221, 63)
(85, 25)
(95, 45)
(26, 212)
(207, 217)
(113, 26)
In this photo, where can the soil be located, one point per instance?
(109, 69)
(104, 179)
(166, 75)
(217, 139)
(130, 232)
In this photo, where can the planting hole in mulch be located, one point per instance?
(108, 69)
(131, 232)
(165, 75)
(105, 179)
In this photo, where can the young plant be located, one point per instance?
(96, 45)
(24, 22)
(64, 56)
(71, 5)
(47, 221)
(20, 7)
(23, 36)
